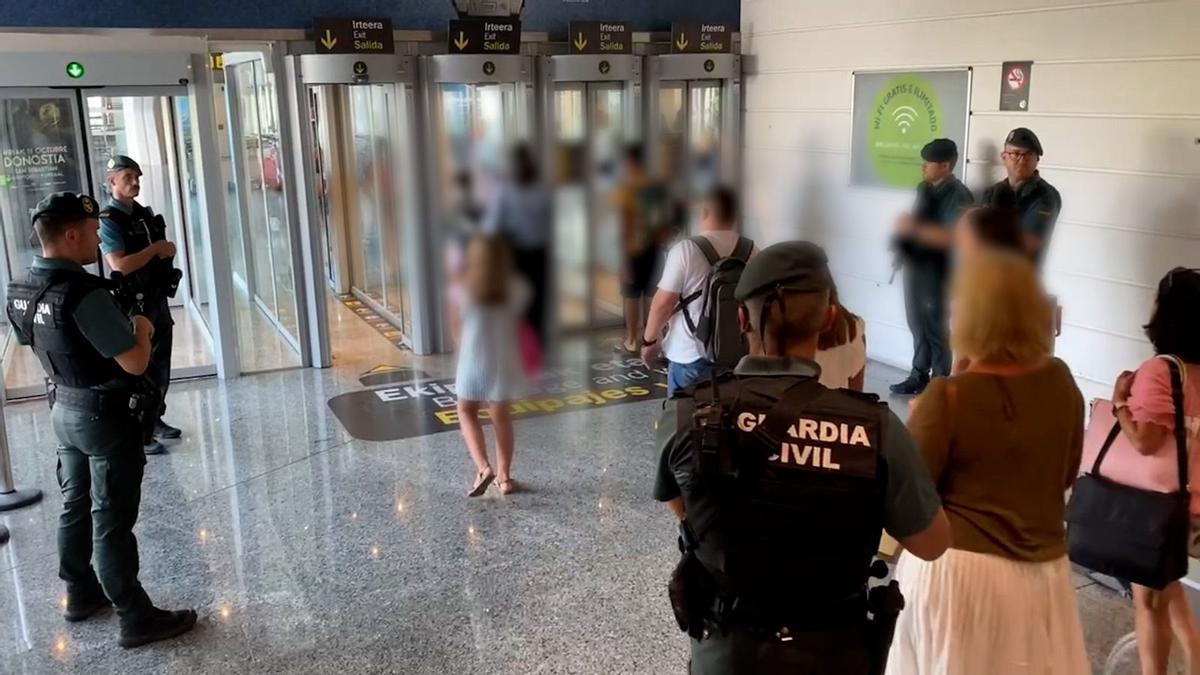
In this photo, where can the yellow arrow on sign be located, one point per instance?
(461, 42)
(682, 42)
(328, 41)
(580, 43)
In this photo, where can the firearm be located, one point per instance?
(128, 294)
(885, 604)
(902, 250)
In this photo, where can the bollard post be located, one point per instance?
(10, 496)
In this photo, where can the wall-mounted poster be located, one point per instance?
(896, 113)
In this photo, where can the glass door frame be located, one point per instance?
(303, 71)
(431, 331)
(186, 73)
(693, 70)
(244, 191)
(589, 73)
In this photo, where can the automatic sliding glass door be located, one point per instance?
(52, 141)
(268, 335)
(41, 151)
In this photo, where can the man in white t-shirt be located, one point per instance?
(684, 273)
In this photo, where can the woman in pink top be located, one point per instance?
(1146, 411)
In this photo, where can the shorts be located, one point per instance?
(638, 280)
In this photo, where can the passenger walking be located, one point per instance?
(842, 349)
(491, 300)
(521, 213)
(1145, 409)
(679, 304)
(1002, 442)
(645, 208)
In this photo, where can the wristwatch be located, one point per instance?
(648, 343)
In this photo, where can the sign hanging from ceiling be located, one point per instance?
(895, 114)
(340, 35)
(600, 37)
(1014, 85)
(695, 37)
(484, 36)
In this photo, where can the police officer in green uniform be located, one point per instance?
(782, 489)
(924, 239)
(134, 242)
(1025, 192)
(93, 357)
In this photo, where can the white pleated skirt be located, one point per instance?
(977, 614)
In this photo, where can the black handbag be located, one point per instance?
(1131, 533)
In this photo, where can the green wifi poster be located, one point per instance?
(896, 114)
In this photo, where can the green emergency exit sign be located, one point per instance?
(74, 70)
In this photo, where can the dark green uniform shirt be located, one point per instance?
(938, 205)
(97, 315)
(910, 499)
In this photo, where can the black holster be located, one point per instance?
(692, 589)
(885, 604)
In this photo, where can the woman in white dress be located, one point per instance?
(1003, 441)
(491, 299)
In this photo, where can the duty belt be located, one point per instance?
(100, 402)
(846, 613)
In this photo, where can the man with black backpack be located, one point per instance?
(695, 302)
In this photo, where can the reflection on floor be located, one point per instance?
(308, 551)
(190, 348)
(260, 344)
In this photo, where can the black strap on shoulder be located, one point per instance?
(741, 250)
(706, 247)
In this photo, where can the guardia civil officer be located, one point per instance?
(93, 356)
(782, 488)
(134, 242)
(925, 238)
(1025, 191)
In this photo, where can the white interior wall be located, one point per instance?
(1115, 99)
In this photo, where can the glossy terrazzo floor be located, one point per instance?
(306, 551)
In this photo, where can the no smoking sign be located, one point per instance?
(1014, 85)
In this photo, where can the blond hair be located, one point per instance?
(488, 270)
(1000, 312)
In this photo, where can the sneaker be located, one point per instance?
(159, 625)
(910, 387)
(82, 608)
(166, 431)
(155, 448)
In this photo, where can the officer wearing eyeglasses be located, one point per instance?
(1025, 191)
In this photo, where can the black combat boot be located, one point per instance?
(166, 431)
(82, 606)
(157, 624)
(914, 385)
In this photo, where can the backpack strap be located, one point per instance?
(742, 249)
(711, 255)
(706, 247)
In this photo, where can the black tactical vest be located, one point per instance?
(798, 491)
(42, 307)
(139, 230)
